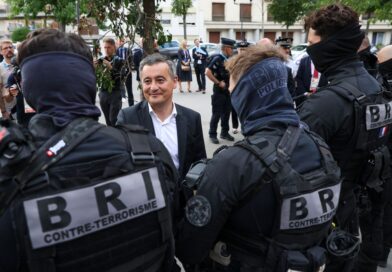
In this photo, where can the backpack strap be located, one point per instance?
(138, 146)
(270, 156)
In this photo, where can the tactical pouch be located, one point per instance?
(375, 170)
(313, 260)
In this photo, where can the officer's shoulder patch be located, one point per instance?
(198, 211)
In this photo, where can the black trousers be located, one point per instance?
(221, 107)
(234, 117)
(110, 105)
(200, 70)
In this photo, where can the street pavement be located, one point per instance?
(202, 103)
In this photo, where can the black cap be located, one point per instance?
(228, 42)
(242, 44)
(284, 42)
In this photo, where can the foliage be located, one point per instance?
(288, 12)
(373, 9)
(104, 78)
(64, 11)
(180, 8)
(19, 34)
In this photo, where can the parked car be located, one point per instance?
(298, 50)
(210, 48)
(170, 49)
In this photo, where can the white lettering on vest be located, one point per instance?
(69, 215)
(378, 115)
(309, 209)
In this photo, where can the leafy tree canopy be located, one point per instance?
(19, 34)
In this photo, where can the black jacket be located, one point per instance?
(189, 132)
(304, 77)
(83, 165)
(228, 176)
(330, 115)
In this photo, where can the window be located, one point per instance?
(240, 35)
(270, 18)
(218, 11)
(214, 37)
(245, 12)
(378, 38)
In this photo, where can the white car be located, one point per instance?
(210, 48)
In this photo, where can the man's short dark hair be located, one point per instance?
(47, 40)
(109, 41)
(330, 19)
(158, 58)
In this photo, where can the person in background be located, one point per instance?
(184, 69)
(308, 80)
(8, 97)
(125, 54)
(200, 55)
(220, 99)
(285, 47)
(110, 99)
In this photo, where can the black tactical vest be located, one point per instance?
(366, 157)
(69, 222)
(306, 205)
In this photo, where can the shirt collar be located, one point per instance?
(173, 113)
(5, 64)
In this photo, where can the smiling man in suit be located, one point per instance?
(179, 128)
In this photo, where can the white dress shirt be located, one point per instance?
(166, 131)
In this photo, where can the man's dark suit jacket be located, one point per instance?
(189, 132)
(304, 76)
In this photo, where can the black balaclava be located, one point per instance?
(261, 96)
(61, 85)
(337, 49)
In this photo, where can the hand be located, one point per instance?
(222, 84)
(107, 64)
(5, 114)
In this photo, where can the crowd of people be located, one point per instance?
(309, 188)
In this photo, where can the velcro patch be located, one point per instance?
(378, 115)
(310, 209)
(198, 211)
(69, 215)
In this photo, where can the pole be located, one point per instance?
(262, 18)
(77, 14)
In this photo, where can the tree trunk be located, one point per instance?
(148, 41)
(62, 26)
(184, 21)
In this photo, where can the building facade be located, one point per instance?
(245, 19)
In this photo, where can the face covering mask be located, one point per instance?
(336, 49)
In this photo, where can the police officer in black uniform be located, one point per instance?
(265, 197)
(285, 45)
(336, 113)
(76, 195)
(220, 99)
(385, 78)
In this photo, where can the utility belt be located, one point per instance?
(273, 257)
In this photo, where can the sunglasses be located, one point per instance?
(8, 47)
